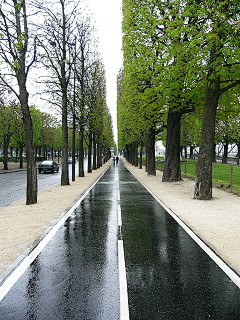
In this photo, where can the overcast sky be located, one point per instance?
(108, 17)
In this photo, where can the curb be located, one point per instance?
(12, 171)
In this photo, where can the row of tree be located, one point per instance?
(47, 132)
(47, 137)
(53, 44)
(181, 66)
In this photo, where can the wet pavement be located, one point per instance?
(76, 276)
(168, 275)
(13, 183)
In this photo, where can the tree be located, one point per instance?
(191, 130)
(220, 54)
(154, 63)
(182, 55)
(57, 41)
(227, 122)
(96, 102)
(18, 53)
(83, 63)
(10, 122)
(47, 127)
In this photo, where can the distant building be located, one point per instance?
(159, 148)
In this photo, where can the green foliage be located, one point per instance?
(46, 130)
(191, 129)
(37, 124)
(167, 49)
(228, 118)
(11, 124)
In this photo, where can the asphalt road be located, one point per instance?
(76, 276)
(13, 185)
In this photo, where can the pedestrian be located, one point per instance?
(117, 159)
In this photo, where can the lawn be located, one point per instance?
(225, 175)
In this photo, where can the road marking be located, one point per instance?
(128, 182)
(106, 182)
(231, 274)
(9, 282)
(121, 182)
(124, 307)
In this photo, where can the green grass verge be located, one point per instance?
(222, 174)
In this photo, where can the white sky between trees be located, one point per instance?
(107, 18)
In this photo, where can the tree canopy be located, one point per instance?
(56, 40)
(179, 57)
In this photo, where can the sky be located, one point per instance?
(107, 18)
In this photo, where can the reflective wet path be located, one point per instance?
(76, 276)
(168, 275)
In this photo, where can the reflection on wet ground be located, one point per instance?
(169, 276)
(76, 275)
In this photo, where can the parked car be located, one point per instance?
(48, 165)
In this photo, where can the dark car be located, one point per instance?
(48, 165)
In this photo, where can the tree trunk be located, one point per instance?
(65, 173)
(73, 145)
(214, 152)
(172, 171)
(127, 153)
(108, 154)
(185, 152)
(203, 182)
(238, 153)
(151, 169)
(58, 154)
(30, 148)
(146, 157)
(130, 153)
(5, 152)
(21, 157)
(135, 163)
(191, 152)
(225, 153)
(140, 158)
(99, 155)
(94, 152)
(90, 152)
(16, 158)
(64, 88)
(81, 153)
